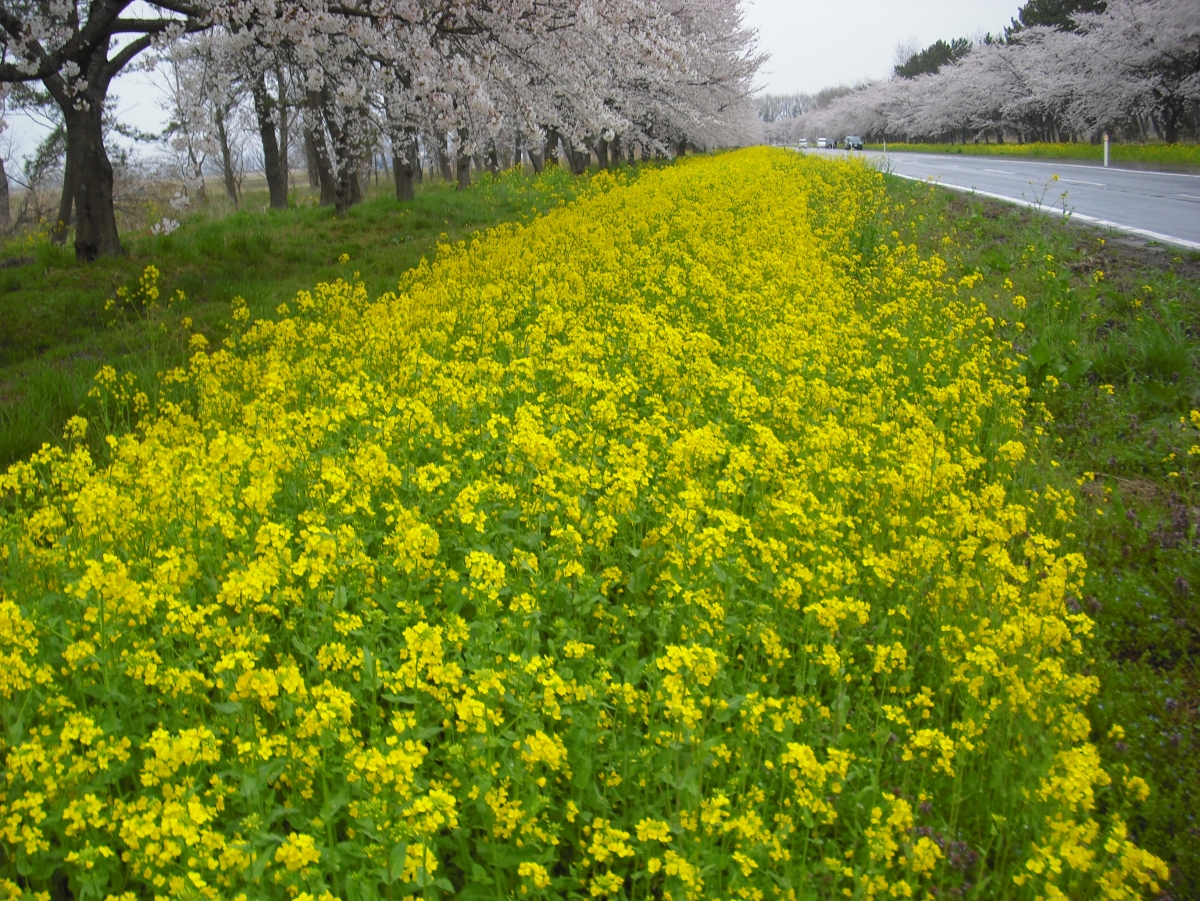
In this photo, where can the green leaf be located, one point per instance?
(1077, 371)
(396, 860)
(479, 876)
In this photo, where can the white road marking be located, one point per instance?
(1116, 170)
(1094, 184)
(1189, 197)
(999, 171)
(1043, 208)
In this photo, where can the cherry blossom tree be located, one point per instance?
(460, 78)
(1139, 56)
(1131, 68)
(76, 49)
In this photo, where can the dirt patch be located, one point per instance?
(1141, 491)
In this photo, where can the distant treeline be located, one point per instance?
(1064, 70)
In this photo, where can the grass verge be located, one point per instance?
(1108, 328)
(58, 326)
(1150, 154)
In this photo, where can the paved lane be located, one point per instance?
(1161, 206)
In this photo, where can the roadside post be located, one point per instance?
(1106, 150)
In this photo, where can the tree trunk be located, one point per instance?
(346, 180)
(1169, 117)
(263, 109)
(343, 195)
(404, 152)
(231, 190)
(537, 156)
(328, 183)
(602, 153)
(310, 159)
(579, 159)
(443, 159)
(62, 222)
(198, 170)
(92, 178)
(5, 211)
(285, 169)
(346, 189)
(324, 169)
(463, 160)
(552, 142)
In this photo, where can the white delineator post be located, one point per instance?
(1106, 150)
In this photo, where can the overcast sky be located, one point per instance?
(818, 43)
(812, 43)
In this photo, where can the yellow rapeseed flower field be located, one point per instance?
(680, 544)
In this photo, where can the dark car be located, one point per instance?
(853, 142)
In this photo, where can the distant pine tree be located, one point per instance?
(1053, 13)
(930, 60)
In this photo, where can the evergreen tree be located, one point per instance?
(930, 60)
(1053, 13)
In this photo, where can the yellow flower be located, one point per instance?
(298, 851)
(534, 872)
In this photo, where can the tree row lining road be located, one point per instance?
(1159, 206)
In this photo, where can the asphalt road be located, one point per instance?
(1159, 206)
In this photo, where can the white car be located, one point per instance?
(822, 143)
(804, 143)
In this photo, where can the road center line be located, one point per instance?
(1094, 184)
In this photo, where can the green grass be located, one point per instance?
(1162, 154)
(55, 331)
(1130, 331)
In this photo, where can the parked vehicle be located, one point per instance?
(853, 142)
(804, 143)
(822, 143)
